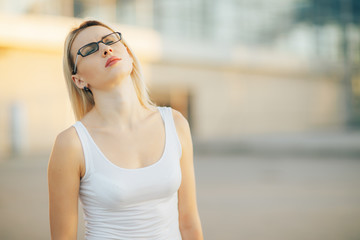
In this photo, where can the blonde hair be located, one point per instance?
(82, 101)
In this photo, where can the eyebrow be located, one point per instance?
(97, 41)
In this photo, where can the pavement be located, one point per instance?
(270, 191)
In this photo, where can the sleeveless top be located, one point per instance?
(140, 203)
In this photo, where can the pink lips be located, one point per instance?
(112, 61)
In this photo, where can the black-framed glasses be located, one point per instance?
(94, 46)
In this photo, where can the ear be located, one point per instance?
(79, 82)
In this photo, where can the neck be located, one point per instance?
(118, 107)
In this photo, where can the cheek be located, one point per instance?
(126, 64)
(127, 61)
(91, 67)
(121, 51)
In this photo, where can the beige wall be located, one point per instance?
(232, 102)
(34, 80)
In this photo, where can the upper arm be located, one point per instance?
(188, 211)
(64, 171)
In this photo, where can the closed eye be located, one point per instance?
(109, 42)
(89, 49)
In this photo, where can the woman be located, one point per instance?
(130, 162)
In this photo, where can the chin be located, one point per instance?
(122, 69)
(118, 73)
(118, 77)
(122, 74)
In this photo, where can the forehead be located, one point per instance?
(88, 35)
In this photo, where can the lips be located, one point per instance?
(112, 61)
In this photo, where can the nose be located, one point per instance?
(106, 50)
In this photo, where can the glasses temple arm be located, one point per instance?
(74, 72)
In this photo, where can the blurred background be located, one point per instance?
(271, 89)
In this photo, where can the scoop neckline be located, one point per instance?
(132, 169)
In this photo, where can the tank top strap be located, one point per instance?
(87, 150)
(168, 118)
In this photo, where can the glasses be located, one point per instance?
(94, 46)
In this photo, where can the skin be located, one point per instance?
(117, 117)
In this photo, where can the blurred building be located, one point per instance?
(233, 68)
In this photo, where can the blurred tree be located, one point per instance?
(341, 13)
(321, 12)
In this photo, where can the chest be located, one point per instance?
(119, 189)
(116, 187)
(138, 148)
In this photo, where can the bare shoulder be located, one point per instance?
(181, 123)
(68, 140)
(182, 126)
(67, 150)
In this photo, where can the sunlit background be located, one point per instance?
(271, 89)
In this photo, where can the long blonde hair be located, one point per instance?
(83, 101)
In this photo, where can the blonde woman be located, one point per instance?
(129, 161)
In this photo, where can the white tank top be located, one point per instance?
(141, 203)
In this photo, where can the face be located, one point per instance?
(104, 68)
